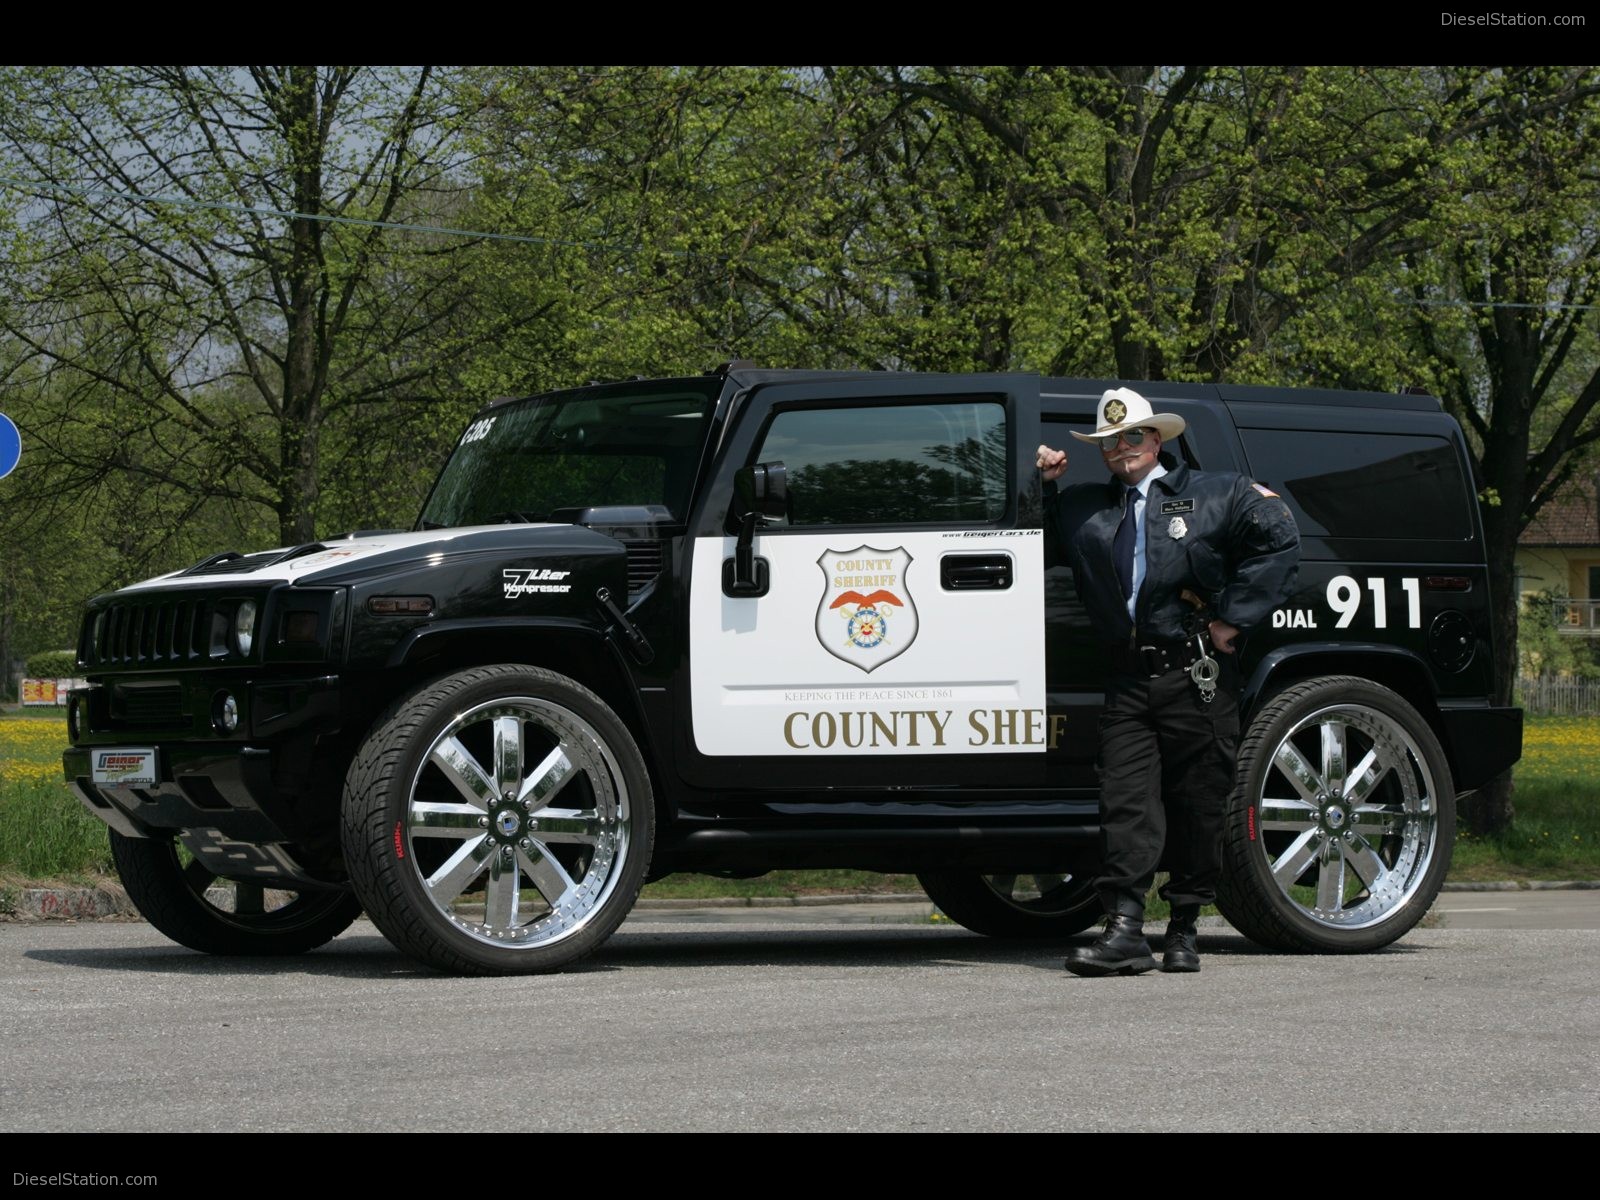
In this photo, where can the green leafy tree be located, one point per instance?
(813, 217)
(1505, 307)
(1203, 211)
(202, 283)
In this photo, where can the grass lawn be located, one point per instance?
(45, 835)
(1556, 834)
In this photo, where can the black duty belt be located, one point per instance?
(1161, 658)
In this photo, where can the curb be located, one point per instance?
(1527, 885)
(84, 904)
(647, 905)
(111, 901)
(73, 904)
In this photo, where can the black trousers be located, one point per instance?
(1166, 767)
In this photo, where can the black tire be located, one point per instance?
(510, 780)
(173, 897)
(1305, 869)
(1015, 906)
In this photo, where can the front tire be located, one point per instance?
(1015, 906)
(246, 919)
(498, 821)
(1340, 831)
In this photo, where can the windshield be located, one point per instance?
(529, 460)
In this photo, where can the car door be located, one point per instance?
(897, 636)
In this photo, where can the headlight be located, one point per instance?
(224, 712)
(244, 626)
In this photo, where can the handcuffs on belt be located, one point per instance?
(1205, 670)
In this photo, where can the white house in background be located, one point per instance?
(1559, 553)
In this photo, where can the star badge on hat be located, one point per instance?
(1123, 408)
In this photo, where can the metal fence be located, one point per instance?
(1555, 696)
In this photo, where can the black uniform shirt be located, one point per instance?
(1219, 535)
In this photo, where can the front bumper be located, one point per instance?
(231, 790)
(248, 801)
(228, 808)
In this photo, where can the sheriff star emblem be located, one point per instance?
(866, 615)
(1115, 411)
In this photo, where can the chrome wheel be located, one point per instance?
(1040, 895)
(1348, 816)
(1341, 832)
(1048, 905)
(181, 896)
(518, 823)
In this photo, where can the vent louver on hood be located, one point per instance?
(231, 562)
(644, 564)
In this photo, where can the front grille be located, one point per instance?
(147, 706)
(644, 564)
(148, 632)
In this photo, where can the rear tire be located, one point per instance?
(1015, 906)
(1340, 830)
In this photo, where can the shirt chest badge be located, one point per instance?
(1176, 528)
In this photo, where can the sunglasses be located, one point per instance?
(1134, 437)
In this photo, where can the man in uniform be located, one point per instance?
(1172, 565)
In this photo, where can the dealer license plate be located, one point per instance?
(124, 767)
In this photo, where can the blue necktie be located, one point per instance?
(1122, 544)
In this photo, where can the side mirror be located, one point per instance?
(760, 491)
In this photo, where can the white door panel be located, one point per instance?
(858, 648)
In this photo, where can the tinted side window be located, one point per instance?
(892, 464)
(1075, 657)
(1364, 485)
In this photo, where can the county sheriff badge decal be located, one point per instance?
(866, 615)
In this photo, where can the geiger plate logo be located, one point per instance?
(866, 616)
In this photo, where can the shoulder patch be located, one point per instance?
(1168, 507)
(1265, 491)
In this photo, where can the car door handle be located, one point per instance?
(966, 572)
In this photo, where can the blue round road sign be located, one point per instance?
(10, 445)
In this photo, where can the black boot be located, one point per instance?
(1180, 953)
(1120, 950)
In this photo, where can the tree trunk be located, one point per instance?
(1510, 340)
(6, 604)
(1491, 810)
(302, 410)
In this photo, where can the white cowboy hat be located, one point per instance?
(1123, 408)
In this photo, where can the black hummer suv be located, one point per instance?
(764, 619)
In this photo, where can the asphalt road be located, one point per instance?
(1575, 909)
(807, 1020)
